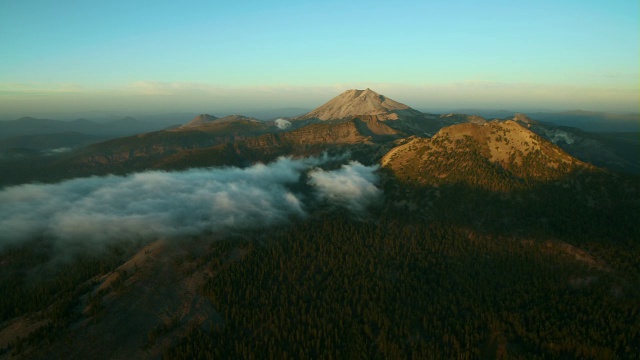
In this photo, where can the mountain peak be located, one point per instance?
(200, 120)
(355, 102)
(524, 119)
(475, 153)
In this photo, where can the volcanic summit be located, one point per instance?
(353, 103)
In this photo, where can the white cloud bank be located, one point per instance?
(352, 186)
(92, 212)
(283, 124)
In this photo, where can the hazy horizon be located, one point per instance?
(166, 57)
(270, 110)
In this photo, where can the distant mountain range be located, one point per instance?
(593, 121)
(32, 126)
(362, 120)
(29, 133)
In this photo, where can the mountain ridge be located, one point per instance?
(246, 139)
(199, 120)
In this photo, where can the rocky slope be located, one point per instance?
(493, 154)
(615, 151)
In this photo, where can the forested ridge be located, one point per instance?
(336, 288)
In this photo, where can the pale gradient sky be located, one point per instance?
(213, 56)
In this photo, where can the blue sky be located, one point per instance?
(66, 56)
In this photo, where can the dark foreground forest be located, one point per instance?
(388, 284)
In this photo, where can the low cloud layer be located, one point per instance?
(352, 186)
(283, 124)
(59, 150)
(145, 206)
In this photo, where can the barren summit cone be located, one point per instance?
(352, 103)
